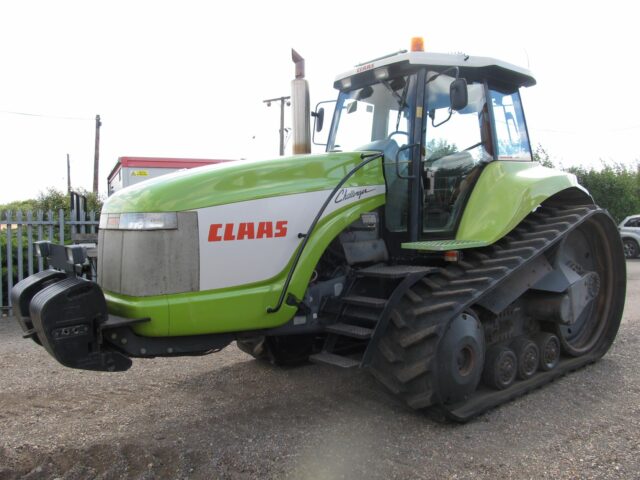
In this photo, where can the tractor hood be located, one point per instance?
(242, 180)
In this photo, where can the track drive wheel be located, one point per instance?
(282, 350)
(594, 247)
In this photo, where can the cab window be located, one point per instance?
(511, 133)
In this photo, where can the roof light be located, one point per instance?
(381, 73)
(417, 44)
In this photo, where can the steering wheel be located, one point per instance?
(397, 132)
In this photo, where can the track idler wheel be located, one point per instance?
(501, 367)
(528, 356)
(549, 346)
(460, 358)
(594, 248)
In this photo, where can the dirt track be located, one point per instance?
(227, 416)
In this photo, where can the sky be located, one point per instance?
(188, 78)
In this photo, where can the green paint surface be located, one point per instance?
(242, 180)
(506, 192)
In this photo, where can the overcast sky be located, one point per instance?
(187, 78)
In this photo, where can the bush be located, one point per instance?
(615, 187)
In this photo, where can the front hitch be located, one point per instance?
(65, 316)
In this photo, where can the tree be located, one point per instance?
(541, 156)
(615, 187)
(54, 199)
(438, 148)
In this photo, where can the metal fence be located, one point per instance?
(18, 233)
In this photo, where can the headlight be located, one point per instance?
(76, 254)
(139, 221)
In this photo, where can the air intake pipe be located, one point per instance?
(301, 108)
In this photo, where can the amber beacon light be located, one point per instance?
(417, 44)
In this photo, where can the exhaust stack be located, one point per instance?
(301, 108)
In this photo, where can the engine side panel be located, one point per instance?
(240, 307)
(248, 242)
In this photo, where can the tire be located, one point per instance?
(283, 350)
(631, 249)
(594, 247)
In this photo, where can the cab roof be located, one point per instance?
(471, 67)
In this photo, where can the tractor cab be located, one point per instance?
(438, 119)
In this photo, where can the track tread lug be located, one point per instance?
(413, 370)
(391, 384)
(389, 351)
(453, 293)
(421, 400)
(408, 339)
(433, 308)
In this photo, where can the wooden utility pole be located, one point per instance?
(96, 156)
(283, 101)
(68, 175)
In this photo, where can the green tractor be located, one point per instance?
(425, 245)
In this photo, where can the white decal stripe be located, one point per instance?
(232, 262)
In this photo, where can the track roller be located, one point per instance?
(528, 356)
(549, 347)
(500, 368)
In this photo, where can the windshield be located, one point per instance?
(379, 117)
(367, 117)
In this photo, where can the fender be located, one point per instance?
(505, 193)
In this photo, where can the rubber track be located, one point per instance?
(405, 361)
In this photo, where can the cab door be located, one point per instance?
(456, 146)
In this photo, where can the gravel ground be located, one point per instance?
(227, 416)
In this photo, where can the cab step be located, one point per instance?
(334, 360)
(363, 301)
(392, 271)
(348, 330)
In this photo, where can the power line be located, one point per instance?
(57, 117)
(586, 131)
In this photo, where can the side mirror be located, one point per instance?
(458, 94)
(319, 116)
(318, 122)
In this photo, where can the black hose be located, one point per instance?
(367, 158)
